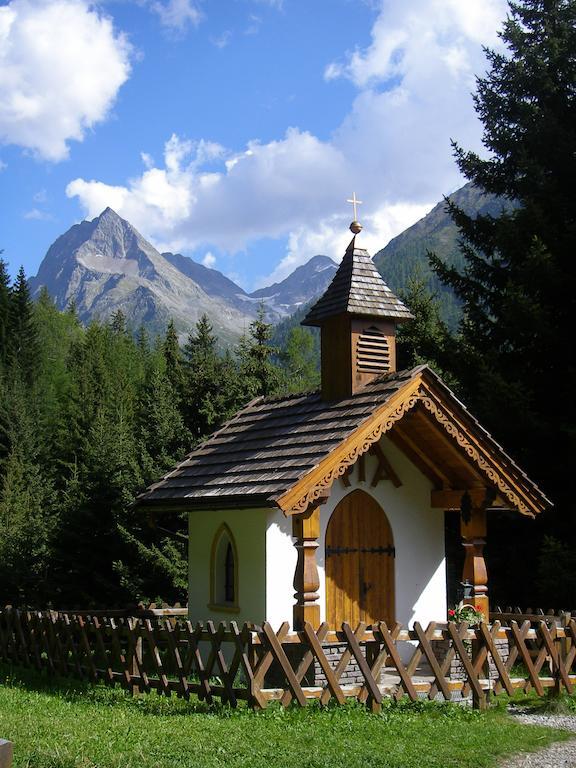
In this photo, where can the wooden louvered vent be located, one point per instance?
(372, 352)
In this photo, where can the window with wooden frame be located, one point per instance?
(224, 572)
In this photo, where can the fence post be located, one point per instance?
(565, 643)
(561, 649)
(5, 754)
(135, 654)
(478, 701)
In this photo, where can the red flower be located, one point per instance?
(451, 612)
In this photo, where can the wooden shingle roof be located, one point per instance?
(268, 446)
(357, 288)
(286, 452)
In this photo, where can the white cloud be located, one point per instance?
(61, 66)
(254, 24)
(182, 205)
(222, 40)
(332, 236)
(408, 37)
(414, 82)
(177, 15)
(3, 166)
(209, 260)
(35, 214)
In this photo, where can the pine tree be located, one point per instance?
(173, 357)
(4, 311)
(231, 394)
(72, 308)
(27, 521)
(300, 363)
(57, 332)
(101, 459)
(118, 323)
(23, 334)
(518, 287)
(422, 339)
(515, 356)
(160, 429)
(260, 375)
(202, 380)
(143, 342)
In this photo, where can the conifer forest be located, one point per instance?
(89, 416)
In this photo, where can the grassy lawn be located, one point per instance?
(57, 726)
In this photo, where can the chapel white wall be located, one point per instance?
(248, 526)
(281, 558)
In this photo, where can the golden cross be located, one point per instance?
(355, 202)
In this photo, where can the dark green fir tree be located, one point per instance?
(23, 333)
(300, 362)
(261, 376)
(515, 355)
(173, 357)
(4, 311)
(202, 380)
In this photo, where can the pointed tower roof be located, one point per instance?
(357, 289)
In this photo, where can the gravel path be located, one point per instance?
(559, 755)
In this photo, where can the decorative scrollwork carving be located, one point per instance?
(376, 433)
(451, 428)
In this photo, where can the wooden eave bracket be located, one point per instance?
(496, 467)
(490, 459)
(453, 499)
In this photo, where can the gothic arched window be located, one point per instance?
(224, 570)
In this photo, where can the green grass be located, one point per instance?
(54, 725)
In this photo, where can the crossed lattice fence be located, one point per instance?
(161, 650)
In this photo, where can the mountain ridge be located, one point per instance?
(105, 265)
(405, 256)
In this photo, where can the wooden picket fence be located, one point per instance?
(161, 650)
(511, 613)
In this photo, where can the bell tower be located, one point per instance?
(357, 316)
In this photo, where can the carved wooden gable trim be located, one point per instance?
(315, 484)
(495, 476)
(477, 446)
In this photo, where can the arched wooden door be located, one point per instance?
(359, 563)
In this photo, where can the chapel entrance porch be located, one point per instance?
(359, 562)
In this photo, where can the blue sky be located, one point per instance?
(234, 130)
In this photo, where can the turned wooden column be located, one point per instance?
(306, 531)
(473, 530)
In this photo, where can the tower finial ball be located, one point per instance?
(355, 227)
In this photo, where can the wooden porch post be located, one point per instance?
(473, 530)
(306, 531)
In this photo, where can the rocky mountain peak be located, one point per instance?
(105, 264)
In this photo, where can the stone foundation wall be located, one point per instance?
(353, 676)
(314, 674)
(457, 671)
